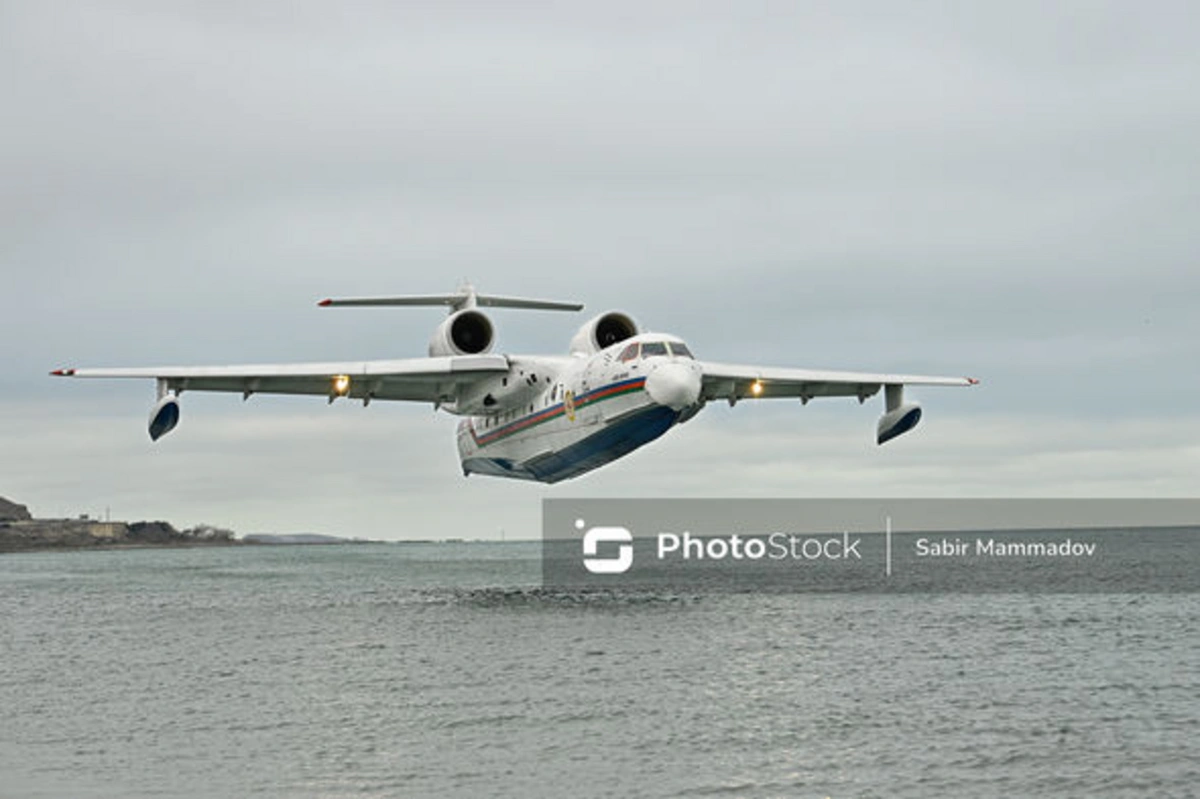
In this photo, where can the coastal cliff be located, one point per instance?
(12, 512)
(20, 532)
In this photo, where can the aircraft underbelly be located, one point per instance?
(564, 447)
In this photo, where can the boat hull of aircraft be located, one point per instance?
(551, 446)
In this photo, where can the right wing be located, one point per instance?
(412, 379)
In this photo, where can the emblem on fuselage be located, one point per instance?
(569, 404)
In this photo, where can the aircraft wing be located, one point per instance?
(739, 381)
(412, 379)
(735, 381)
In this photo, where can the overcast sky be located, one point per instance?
(1008, 191)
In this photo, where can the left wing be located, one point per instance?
(734, 382)
(738, 381)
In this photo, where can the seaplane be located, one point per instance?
(536, 417)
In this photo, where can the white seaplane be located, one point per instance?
(537, 417)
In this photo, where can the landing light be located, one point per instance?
(756, 388)
(341, 385)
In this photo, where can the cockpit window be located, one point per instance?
(680, 350)
(652, 348)
(630, 352)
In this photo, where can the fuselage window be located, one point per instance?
(652, 348)
(630, 352)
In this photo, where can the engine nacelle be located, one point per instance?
(601, 332)
(164, 416)
(467, 332)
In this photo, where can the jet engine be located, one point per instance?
(466, 332)
(601, 332)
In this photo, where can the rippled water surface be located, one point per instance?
(443, 670)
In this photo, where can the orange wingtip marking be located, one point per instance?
(325, 303)
(63, 372)
(974, 381)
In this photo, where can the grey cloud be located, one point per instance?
(1002, 190)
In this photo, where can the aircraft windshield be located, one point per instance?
(680, 350)
(649, 349)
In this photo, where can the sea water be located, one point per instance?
(445, 670)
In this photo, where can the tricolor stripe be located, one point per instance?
(533, 420)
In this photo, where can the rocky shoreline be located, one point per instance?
(21, 532)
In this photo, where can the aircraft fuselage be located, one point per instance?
(588, 410)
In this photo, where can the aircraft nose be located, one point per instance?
(674, 385)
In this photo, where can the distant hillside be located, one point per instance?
(19, 532)
(12, 512)
(298, 538)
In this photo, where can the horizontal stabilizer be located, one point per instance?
(465, 298)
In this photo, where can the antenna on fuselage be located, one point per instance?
(466, 297)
